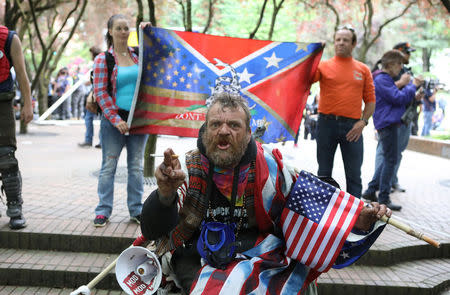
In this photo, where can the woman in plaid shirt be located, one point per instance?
(115, 98)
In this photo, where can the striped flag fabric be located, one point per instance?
(180, 70)
(316, 220)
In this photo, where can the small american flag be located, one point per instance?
(316, 221)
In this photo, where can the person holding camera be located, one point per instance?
(429, 107)
(390, 105)
(405, 129)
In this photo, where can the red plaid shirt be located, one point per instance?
(105, 101)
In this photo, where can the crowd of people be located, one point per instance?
(222, 205)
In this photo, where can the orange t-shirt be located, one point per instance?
(344, 84)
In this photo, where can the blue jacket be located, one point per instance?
(390, 101)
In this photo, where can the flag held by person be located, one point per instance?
(180, 70)
(316, 221)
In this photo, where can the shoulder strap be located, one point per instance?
(136, 50)
(110, 63)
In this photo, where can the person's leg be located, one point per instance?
(404, 132)
(74, 105)
(12, 186)
(135, 188)
(389, 140)
(9, 167)
(186, 264)
(427, 116)
(352, 156)
(113, 143)
(313, 129)
(67, 109)
(326, 146)
(374, 184)
(89, 123)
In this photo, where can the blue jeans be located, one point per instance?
(403, 132)
(427, 118)
(88, 122)
(330, 133)
(112, 144)
(388, 141)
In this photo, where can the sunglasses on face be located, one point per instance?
(346, 27)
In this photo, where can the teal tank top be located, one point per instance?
(126, 84)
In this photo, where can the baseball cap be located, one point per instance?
(404, 47)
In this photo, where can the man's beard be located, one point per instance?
(224, 158)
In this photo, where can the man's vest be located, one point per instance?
(4, 61)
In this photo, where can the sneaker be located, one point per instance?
(397, 188)
(84, 144)
(136, 218)
(17, 222)
(370, 196)
(98, 146)
(100, 220)
(392, 206)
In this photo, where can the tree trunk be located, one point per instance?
(149, 162)
(151, 12)
(426, 55)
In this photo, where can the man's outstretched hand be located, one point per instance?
(169, 175)
(371, 213)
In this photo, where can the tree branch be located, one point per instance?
(276, 9)
(261, 15)
(210, 15)
(335, 12)
(183, 11)
(446, 4)
(140, 15)
(151, 12)
(369, 44)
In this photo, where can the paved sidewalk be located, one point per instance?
(60, 185)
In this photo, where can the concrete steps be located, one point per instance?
(421, 277)
(21, 290)
(50, 262)
(61, 269)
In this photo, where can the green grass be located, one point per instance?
(441, 136)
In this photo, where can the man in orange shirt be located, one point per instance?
(344, 84)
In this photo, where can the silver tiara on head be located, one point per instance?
(224, 83)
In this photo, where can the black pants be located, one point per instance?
(186, 263)
(7, 123)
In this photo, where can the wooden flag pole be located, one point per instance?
(409, 230)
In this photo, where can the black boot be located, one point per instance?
(12, 186)
(392, 206)
(371, 196)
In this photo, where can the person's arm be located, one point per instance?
(159, 213)
(355, 133)
(18, 63)
(432, 98)
(158, 219)
(369, 107)
(100, 86)
(403, 81)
